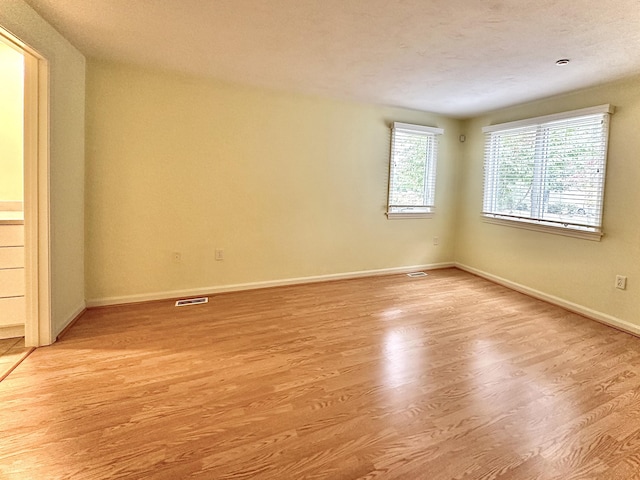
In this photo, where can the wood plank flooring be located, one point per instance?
(447, 376)
(12, 351)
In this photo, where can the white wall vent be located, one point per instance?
(192, 301)
(416, 274)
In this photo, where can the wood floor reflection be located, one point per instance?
(12, 352)
(440, 377)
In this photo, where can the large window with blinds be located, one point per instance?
(549, 171)
(412, 170)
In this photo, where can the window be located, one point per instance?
(412, 170)
(548, 173)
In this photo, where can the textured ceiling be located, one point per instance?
(455, 57)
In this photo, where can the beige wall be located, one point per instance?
(11, 124)
(67, 97)
(289, 186)
(575, 270)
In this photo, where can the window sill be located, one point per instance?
(565, 231)
(401, 215)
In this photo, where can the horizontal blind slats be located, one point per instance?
(552, 172)
(412, 169)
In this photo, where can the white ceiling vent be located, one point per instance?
(416, 274)
(192, 301)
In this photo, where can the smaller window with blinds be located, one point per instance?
(548, 173)
(412, 170)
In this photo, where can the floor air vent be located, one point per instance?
(192, 301)
(416, 274)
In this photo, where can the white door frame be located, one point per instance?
(38, 325)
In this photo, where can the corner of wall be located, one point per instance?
(461, 161)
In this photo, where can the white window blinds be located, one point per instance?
(412, 170)
(549, 170)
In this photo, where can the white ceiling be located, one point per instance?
(454, 57)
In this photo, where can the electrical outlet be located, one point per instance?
(219, 254)
(436, 241)
(176, 257)
(621, 282)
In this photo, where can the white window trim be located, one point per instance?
(537, 227)
(418, 128)
(401, 215)
(410, 127)
(606, 108)
(532, 224)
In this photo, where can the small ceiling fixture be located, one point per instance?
(562, 61)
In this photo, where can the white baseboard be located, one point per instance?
(100, 302)
(573, 307)
(11, 331)
(69, 320)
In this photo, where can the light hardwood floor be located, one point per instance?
(446, 376)
(12, 352)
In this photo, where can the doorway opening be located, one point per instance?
(12, 278)
(25, 303)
